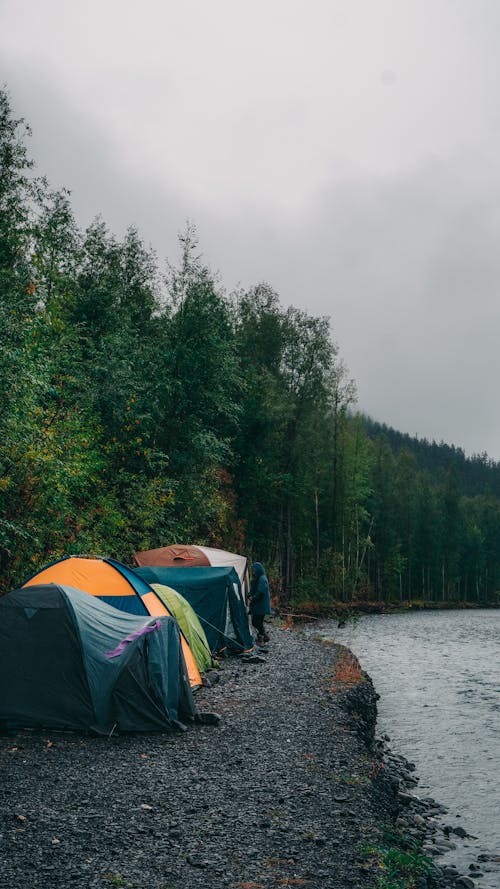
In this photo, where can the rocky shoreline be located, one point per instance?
(420, 823)
(291, 788)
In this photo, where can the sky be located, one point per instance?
(345, 151)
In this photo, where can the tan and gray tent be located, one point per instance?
(187, 556)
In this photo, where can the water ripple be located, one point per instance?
(438, 675)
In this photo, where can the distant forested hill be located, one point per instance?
(475, 475)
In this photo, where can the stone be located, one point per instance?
(196, 861)
(445, 845)
(406, 798)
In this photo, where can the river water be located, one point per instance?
(438, 677)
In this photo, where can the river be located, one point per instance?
(438, 676)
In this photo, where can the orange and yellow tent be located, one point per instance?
(113, 583)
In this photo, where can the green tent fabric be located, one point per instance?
(69, 661)
(189, 623)
(215, 594)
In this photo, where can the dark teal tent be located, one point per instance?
(215, 594)
(69, 661)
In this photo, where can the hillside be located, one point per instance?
(475, 475)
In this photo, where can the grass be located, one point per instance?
(399, 868)
(347, 669)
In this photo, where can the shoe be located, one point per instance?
(265, 638)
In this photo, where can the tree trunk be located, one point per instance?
(289, 560)
(316, 509)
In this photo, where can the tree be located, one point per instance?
(198, 395)
(18, 195)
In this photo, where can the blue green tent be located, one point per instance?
(69, 661)
(216, 597)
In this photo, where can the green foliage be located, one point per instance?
(399, 866)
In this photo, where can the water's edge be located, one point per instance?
(418, 823)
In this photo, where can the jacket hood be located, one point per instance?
(258, 569)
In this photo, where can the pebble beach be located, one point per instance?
(290, 788)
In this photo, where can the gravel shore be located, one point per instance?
(283, 792)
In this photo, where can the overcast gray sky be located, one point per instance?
(345, 151)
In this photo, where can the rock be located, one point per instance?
(406, 798)
(196, 861)
(444, 846)
(207, 718)
(465, 883)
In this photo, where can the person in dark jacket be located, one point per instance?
(259, 600)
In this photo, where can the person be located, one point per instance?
(259, 600)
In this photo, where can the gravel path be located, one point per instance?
(278, 794)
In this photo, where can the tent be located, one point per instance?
(189, 623)
(116, 585)
(71, 662)
(179, 556)
(215, 594)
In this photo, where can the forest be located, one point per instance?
(143, 406)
